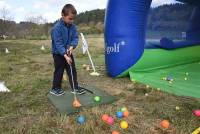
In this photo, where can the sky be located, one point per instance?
(20, 10)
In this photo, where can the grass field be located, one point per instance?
(27, 72)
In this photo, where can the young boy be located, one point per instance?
(64, 40)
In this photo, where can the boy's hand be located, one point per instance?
(68, 59)
(70, 50)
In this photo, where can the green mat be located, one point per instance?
(158, 63)
(63, 104)
(186, 79)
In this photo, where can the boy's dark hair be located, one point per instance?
(69, 8)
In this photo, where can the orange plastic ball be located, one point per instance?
(105, 117)
(125, 113)
(165, 124)
(115, 132)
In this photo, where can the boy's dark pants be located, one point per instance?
(60, 65)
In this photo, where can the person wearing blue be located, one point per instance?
(64, 37)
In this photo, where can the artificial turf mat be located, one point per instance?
(63, 104)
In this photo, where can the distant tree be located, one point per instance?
(91, 16)
(36, 19)
(5, 16)
(169, 17)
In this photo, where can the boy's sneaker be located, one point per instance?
(78, 91)
(57, 92)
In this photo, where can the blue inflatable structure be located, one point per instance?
(125, 28)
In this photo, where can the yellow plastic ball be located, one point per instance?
(124, 125)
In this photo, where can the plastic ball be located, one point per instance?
(84, 66)
(123, 109)
(115, 132)
(125, 113)
(110, 120)
(169, 78)
(119, 114)
(177, 108)
(88, 68)
(97, 98)
(196, 113)
(81, 119)
(147, 86)
(124, 125)
(165, 124)
(170, 82)
(105, 117)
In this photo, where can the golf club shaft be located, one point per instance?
(72, 81)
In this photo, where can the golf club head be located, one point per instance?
(76, 103)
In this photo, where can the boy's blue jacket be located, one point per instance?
(62, 37)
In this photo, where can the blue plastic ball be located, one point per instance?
(81, 119)
(119, 114)
(169, 78)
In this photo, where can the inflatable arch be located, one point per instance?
(125, 28)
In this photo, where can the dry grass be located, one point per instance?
(28, 71)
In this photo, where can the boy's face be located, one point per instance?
(69, 19)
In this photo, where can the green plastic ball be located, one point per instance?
(97, 98)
